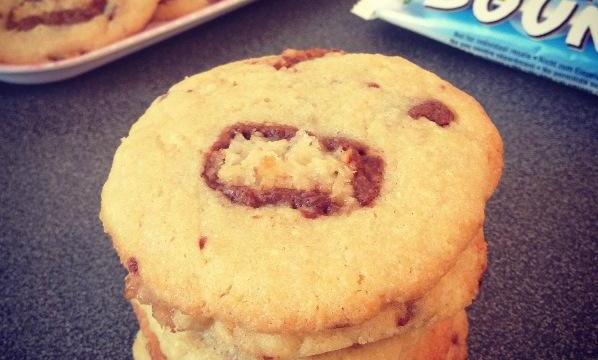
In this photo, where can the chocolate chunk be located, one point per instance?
(341, 325)
(202, 242)
(338, 142)
(372, 84)
(270, 132)
(242, 195)
(112, 13)
(55, 18)
(481, 279)
(132, 265)
(433, 110)
(291, 57)
(54, 58)
(313, 203)
(403, 319)
(369, 169)
(367, 179)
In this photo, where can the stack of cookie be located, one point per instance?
(49, 30)
(315, 205)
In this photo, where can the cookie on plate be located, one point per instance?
(276, 200)
(172, 9)
(49, 30)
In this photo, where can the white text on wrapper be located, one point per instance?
(535, 21)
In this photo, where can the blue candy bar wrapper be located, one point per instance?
(557, 39)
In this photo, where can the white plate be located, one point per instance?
(154, 32)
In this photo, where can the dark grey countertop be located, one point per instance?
(61, 283)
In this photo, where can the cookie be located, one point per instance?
(452, 293)
(50, 30)
(172, 9)
(443, 340)
(300, 193)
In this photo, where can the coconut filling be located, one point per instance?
(258, 165)
(295, 163)
(453, 292)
